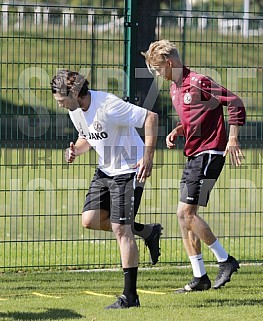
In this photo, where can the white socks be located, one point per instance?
(198, 266)
(218, 251)
(197, 261)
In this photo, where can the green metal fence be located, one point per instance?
(41, 197)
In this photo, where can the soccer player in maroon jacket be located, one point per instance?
(199, 103)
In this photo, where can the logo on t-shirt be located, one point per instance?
(97, 126)
(99, 133)
(187, 98)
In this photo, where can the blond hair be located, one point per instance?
(159, 51)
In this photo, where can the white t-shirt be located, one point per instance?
(111, 131)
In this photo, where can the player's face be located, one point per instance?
(69, 102)
(164, 70)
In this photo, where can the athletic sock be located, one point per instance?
(198, 265)
(219, 252)
(130, 282)
(142, 230)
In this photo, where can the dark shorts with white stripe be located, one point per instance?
(120, 195)
(199, 177)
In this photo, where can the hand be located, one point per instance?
(70, 153)
(234, 151)
(170, 139)
(145, 169)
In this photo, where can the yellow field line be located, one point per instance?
(150, 292)
(46, 295)
(90, 293)
(98, 294)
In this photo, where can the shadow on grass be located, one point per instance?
(49, 314)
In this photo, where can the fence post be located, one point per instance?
(246, 19)
(130, 36)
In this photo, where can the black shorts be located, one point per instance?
(199, 177)
(120, 195)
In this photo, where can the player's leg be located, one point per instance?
(198, 179)
(96, 212)
(227, 263)
(149, 232)
(127, 245)
(193, 228)
(129, 259)
(98, 219)
(122, 217)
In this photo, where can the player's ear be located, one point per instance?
(170, 63)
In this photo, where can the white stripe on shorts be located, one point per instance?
(208, 163)
(134, 182)
(210, 151)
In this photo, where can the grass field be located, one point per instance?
(67, 296)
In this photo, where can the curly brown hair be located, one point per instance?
(66, 82)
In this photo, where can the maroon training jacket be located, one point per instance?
(199, 102)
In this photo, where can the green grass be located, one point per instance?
(69, 296)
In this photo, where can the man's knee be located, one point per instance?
(87, 221)
(186, 211)
(91, 219)
(96, 220)
(122, 230)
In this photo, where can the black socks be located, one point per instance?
(130, 283)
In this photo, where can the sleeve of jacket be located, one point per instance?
(215, 94)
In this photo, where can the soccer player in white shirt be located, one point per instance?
(107, 124)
